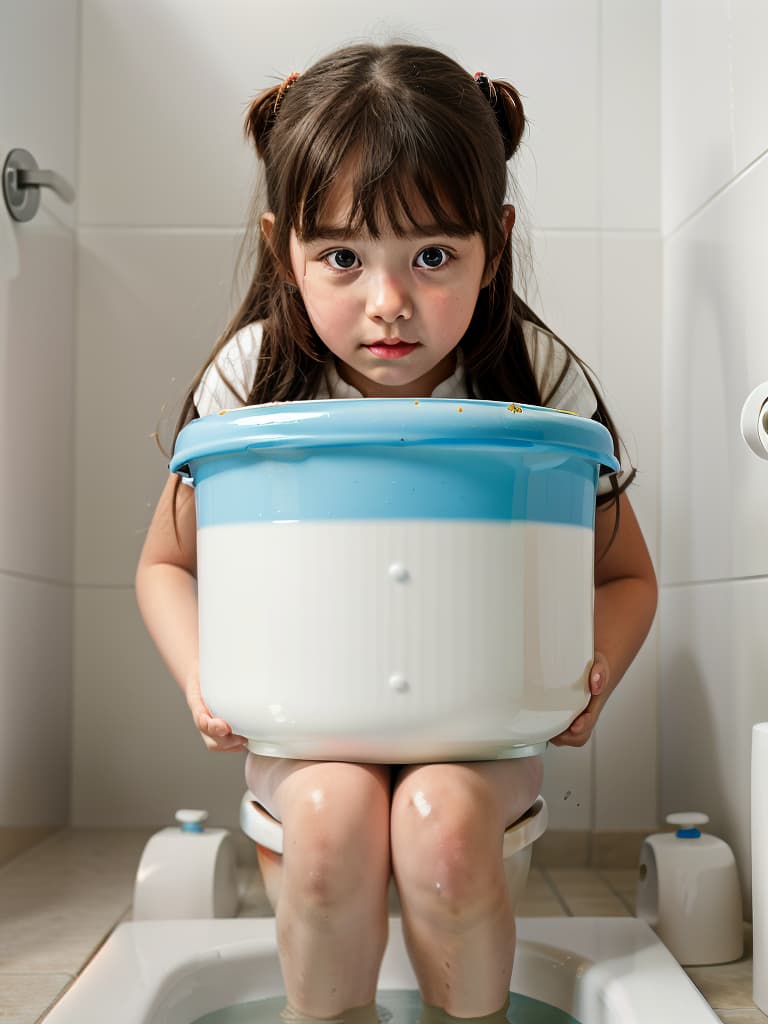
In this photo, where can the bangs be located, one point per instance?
(381, 177)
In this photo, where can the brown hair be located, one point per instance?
(404, 120)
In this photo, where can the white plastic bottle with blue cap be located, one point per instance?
(187, 871)
(688, 891)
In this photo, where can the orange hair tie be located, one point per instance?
(284, 87)
(486, 86)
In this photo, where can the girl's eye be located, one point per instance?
(341, 259)
(432, 257)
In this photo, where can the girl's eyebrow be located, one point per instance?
(330, 232)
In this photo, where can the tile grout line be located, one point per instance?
(556, 892)
(619, 896)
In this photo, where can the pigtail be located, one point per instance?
(263, 111)
(260, 119)
(510, 116)
(507, 105)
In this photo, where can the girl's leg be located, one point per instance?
(332, 905)
(447, 829)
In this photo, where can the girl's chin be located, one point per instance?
(399, 385)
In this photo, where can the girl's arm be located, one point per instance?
(166, 591)
(625, 603)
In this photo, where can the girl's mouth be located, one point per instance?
(394, 349)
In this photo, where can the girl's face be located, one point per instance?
(391, 309)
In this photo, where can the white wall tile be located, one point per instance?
(750, 80)
(606, 293)
(137, 756)
(174, 77)
(567, 787)
(38, 99)
(35, 686)
(631, 363)
(558, 164)
(630, 115)
(151, 305)
(625, 272)
(36, 371)
(39, 75)
(697, 150)
(714, 652)
(565, 289)
(626, 773)
(715, 491)
(627, 748)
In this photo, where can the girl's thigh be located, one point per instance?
(503, 789)
(279, 783)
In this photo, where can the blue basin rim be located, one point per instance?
(394, 422)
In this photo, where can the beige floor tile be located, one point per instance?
(742, 1016)
(16, 841)
(616, 849)
(624, 884)
(561, 849)
(578, 882)
(540, 908)
(25, 997)
(725, 986)
(537, 884)
(596, 906)
(623, 881)
(62, 898)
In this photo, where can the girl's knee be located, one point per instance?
(335, 832)
(446, 842)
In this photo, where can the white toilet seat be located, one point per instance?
(265, 830)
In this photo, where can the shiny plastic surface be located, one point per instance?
(600, 970)
(395, 581)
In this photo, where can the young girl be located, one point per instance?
(384, 268)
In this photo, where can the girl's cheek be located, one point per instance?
(330, 323)
(454, 308)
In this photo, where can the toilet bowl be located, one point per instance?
(267, 833)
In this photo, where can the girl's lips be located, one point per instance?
(386, 350)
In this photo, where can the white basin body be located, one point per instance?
(395, 581)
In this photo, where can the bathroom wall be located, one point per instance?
(714, 542)
(39, 43)
(165, 180)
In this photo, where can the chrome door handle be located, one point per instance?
(22, 181)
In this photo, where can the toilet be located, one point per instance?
(267, 833)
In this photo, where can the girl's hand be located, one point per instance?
(580, 729)
(217, 734)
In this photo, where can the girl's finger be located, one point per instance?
(224, 747)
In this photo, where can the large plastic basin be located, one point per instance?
(386, 580)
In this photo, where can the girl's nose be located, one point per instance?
(388, 298)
